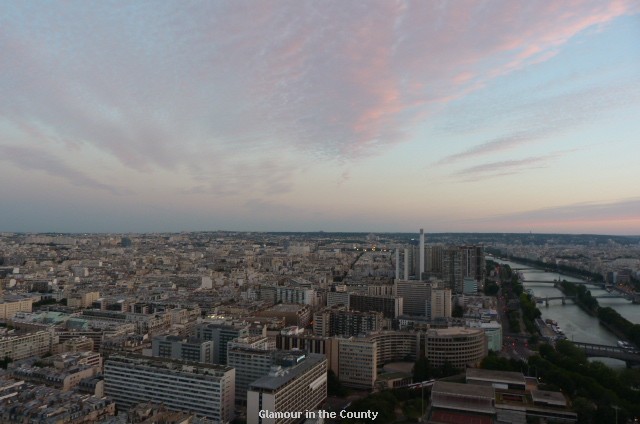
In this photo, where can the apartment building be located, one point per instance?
(27, 345)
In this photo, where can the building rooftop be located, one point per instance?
(283, 375)
(463, 390)
(549, 398)
(508, 377)
(452, 331)
(170, 364)
(286, 307)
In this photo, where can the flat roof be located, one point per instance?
(461, 389)
(513, 377)
(286, 374)
(453, 331)
(550, 398)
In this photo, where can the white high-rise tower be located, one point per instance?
(421, 254)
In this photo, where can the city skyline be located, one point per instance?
(303, 116)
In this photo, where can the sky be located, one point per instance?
(349, 115)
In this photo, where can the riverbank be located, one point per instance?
(543, 266)
(577, 300)
(576, 323)
(607, 317)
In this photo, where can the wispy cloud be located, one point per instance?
(31, 159)
(500, 168)
(330, 79)
(493, 146)
(588, 217)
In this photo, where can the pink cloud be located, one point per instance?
(173, 86)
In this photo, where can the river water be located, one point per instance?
(576, 324)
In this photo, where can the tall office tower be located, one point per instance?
(415, 295)
(452, 274)
(480, 264)
(434, 258)
(406, 264)
(421, 253)
(298, 385)
(440, 304)
(203, 389)
(460, 263)
(221, 334)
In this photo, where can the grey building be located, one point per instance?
(220, 334)
(203, 389)
(185, 349)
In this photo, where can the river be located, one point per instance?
(576, 324)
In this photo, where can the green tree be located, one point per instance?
(422, 370)
(491, 288)
(334, 386)
(458, 311)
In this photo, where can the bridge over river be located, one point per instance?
(631, 357)
(564, 298)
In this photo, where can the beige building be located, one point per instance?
(10, 307)
(82, 300)
(64, 380)
(27, 345)
(76, 344)
(359, 358)
(293, 313)
(457, 345)
(358, 362)
(440, 304)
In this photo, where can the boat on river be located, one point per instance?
(624, 345)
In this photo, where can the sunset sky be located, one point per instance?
(381, 116)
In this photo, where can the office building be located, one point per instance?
(250, 364)
(469, 286)
(184, 349)
(460, 262)
(203, 389)
(335, 298)
(338, 321)
(414, 295)
(296, 386)
(461, 347)
(440, 304)
(220, 334)
(359, 358)
(390, 306)
(303, 295)
(289, 339)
